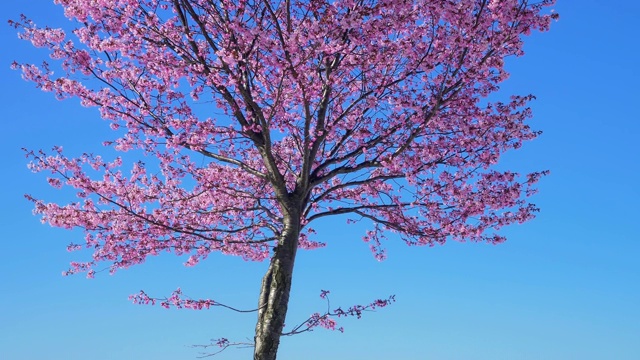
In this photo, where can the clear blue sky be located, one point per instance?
(565, 286)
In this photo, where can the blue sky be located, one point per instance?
(565, 286)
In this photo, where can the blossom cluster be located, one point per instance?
(326, 320)
(175, 300)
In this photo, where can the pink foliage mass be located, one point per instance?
(374, 110)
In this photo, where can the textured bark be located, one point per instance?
(274, 292)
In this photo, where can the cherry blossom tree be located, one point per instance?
(375, 110)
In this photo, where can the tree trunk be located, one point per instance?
(274, 292)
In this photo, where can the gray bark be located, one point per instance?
(274, 292)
